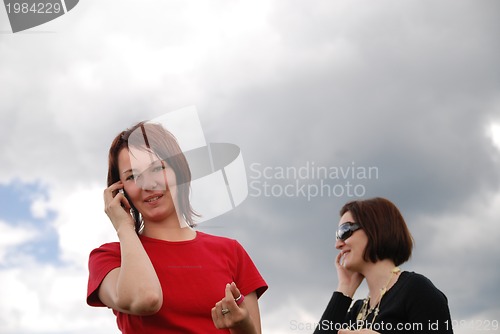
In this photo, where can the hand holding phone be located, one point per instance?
(348, 280)
(117, 205)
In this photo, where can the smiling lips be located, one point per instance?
(153, 198)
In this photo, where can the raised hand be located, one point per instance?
(117, 207)
(348, 281)
(228, 314)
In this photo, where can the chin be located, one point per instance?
(352, 267)
(347, 266)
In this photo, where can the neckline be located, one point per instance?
(395, 272)
(198, 234)
(401, 278)
(366, 312)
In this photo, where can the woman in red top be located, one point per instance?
(163, 276)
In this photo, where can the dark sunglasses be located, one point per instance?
(346, 230)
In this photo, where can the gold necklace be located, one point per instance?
(365, 310)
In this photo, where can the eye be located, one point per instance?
(160, 167)
(131, 177)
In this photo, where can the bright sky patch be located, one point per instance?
(25, 237)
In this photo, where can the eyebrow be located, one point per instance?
(128, 171)
(132, 170)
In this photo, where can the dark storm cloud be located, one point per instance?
(410, 89)
(407, 87)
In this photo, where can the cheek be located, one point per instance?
(361, 247)
(131, 190)
(170, 178)
(357, 245)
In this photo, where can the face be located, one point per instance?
(353, 247)
(148, 182)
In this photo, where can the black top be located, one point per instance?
(412, 305)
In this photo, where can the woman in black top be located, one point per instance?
(374, 240)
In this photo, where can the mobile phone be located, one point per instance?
(121, 191)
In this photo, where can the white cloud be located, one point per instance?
(289, 317)
(462, 230)
(495, 134)
(51, 298)
(43, 299)
(80, 221)
(12, 236)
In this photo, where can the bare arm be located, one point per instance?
(134, 287)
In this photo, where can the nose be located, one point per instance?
(339, 244)
(147, 181)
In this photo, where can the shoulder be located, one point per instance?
(221, 245)
(112, 248)
(216, 240)
(416, 280)
(422, 300)
(421, 287)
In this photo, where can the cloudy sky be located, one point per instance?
(404, 93)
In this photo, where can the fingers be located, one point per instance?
(337, 259)
(232, 291)
(117, 206)
(114, 194)
(227, 313)
(111, 192)
(236, 294)
(113, 189)
(221, 315)
(234, 298)
(217, 316)
(340, 262)
(228, 301)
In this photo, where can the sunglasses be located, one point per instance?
(346, 230)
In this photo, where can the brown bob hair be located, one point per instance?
(154, 138)
(388, 234)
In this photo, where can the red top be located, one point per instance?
(193, 276)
